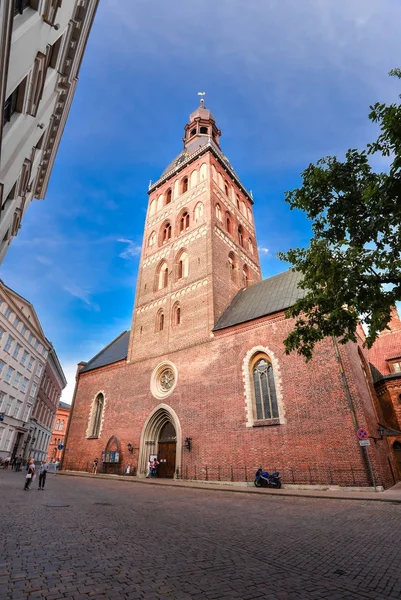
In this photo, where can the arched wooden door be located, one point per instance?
(167, 451)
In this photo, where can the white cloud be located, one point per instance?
(70, 370)
(78, 292)
(263, 250)
(131, 250)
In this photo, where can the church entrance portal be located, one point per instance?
(161, 437)
(167, 450)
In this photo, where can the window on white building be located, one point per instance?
(36, 343)
(17, 349)
(7, 312)
(17, 409)
(8, 343)
(2, 365)
(17, 379)
(2, 332)
(9, 404)
(23, 330)
(2, 431)
(30, 338)
(16, 322)
(33, 391)
(24, 384)
(39, 370)
(8, 375)
(24, 357)
(2, 397)
(7, 442)
(31, 361)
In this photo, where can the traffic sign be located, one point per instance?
(362, 433)
(1, 416)
(364, 442)
(60, 447)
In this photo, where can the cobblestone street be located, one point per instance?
(88, 538)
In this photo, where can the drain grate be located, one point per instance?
(103, 503)
(340, 572)
(57, 505)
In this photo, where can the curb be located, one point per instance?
(221, 487)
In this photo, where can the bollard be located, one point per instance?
(232, 473)
(207, 475)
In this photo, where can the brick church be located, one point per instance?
(201, 380)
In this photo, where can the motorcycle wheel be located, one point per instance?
(278, 485)
(257, 483)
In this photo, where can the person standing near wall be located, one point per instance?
(29, 474)
(42, 475)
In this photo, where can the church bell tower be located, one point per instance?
(199, 247)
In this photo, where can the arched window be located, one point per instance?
(218, 212)
(160, 202)
(203, 171)
(231, 264)
(152, 208)
(166, 233)
(162, 276)
(97, 415)
(176, 315)
(184, 221)
(198, 211)
(250, 246)
(240, 236)
(226, 189)
(194, 178)
(160, 320)
(61, 425)
(152, 239)
(57, 425)
(214, 173)
(182, 265)
(204, 130)
(184, 185)
(169, 195)
(245, 275)
(238, 205)
(228, 222)
(193, 132)
(264, 389)
(243, 209)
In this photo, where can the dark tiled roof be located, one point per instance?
(64, 405)
(117, 350)
(263, 298)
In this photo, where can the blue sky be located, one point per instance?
(287, 81)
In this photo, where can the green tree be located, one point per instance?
(352, 267)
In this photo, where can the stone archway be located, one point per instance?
(150, 437)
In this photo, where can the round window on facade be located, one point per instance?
(163, 380)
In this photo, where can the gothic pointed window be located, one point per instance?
(184, 221)
(184, 185)
(231, 265)
(228, 222)
(226, 189)
(264, 389)
(245, 275)
(218, 212)
(97, 412)
(240, 236)
(176, 314)
(168, 196)
(162, 276)
(238, 204)
(198, 211)
(166, 233)
(182, 265)
(152, 239)
(160, 320)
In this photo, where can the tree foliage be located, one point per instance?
(352, 267)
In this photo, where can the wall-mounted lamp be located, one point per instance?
(56, 26)
(41, 125)
(130, 447)
(188, 444)
(380, 430)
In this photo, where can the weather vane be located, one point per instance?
(202, 94)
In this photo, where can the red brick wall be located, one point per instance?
(318, 437)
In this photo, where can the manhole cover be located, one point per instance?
(103, 503)
(340, 572)
(57, 505)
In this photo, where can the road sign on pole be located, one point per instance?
(364, 442)
(60, 447)
(362, 433)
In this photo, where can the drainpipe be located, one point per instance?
(352, 409)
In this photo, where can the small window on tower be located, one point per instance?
(184, 222)
(238, 204)
(231, 264)
(226, 189)
(176, 314)
(250, 246)
(204, 130)
(240, 236)
(182, 265)
(193, 132)
(184, 185)
(245, 275)
(166, 235)
(160, 320)
(228, 223)
(218, 212)
(168, 196)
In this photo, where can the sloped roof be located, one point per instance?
(115, 351)
(64, 405)
(263, 298)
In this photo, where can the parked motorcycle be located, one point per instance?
(265, 479)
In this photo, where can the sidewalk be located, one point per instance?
(334, 493)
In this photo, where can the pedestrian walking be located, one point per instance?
(29, 474)
(42, 475)
(6, 462)
(18, 463)
(95, 464)
(155, 464)
(149, 469)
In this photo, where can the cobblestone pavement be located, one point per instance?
(88, 538)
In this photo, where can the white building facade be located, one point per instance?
(41, 48)
(24, 354)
